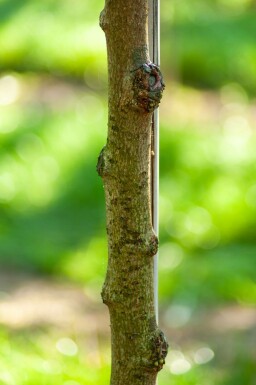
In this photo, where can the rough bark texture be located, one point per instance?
(135, 89)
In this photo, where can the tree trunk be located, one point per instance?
(135, 89)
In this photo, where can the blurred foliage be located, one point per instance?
(61, 38)
(53, 114)
(50, 360)
(208, 44)
(47, 194)
(211, 43)
(212, 53)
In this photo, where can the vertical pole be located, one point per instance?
(154, 48)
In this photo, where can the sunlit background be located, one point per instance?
(53, 118)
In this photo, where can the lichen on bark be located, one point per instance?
(135, 89)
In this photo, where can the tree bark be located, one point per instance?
(135, 89)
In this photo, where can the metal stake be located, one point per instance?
(154, 51)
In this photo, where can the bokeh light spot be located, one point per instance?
(198, 220)
(171, 256)
(51, 367)
(177, 316)
(180, 366)
(9, 90)
(67, 347)
(203, 355)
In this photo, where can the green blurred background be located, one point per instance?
(53, 253)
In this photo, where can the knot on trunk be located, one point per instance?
(104, 163)
(103, 21)
(148, 87)
(152, 245)
(101, 163)
(159, 350)
(105, 294)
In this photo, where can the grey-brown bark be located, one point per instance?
(135, 89)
